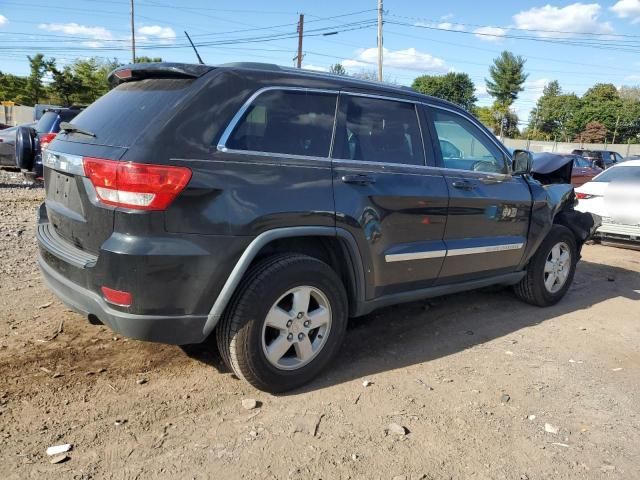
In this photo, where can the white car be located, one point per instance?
(615, 196)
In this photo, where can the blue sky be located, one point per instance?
(576, 43)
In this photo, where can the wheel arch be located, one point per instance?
(335, 246)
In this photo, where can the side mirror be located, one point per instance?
(522, 162)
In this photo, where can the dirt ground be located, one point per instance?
(476, 379)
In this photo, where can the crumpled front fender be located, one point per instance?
(553, 204)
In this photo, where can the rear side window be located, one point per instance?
(377, 130)
(286, 122)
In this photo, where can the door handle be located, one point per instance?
(359, 179)
(462, 184)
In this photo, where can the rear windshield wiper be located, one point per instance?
(69, 128)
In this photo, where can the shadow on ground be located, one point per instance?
(418, 332)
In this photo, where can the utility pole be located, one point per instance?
(133, 37)
(615, 130)
(300, 35)
(380, 52)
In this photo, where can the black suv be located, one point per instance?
(268, 205)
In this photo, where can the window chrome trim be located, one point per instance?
(245, 106)
(480, 127)
(402, 257)
(63, 162)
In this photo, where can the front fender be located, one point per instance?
(553, 204)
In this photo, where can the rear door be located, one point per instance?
(387, 193)
(488, 216)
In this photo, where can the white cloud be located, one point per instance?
(409, 59)
(490, 34)
(481, 92)
(574, 18)
(315, 68)
(3, 20)
(628, 9)
(455, 27)
(156, 33)
(97, 34)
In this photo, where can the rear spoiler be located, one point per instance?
(140, 71)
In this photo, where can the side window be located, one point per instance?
(286, 122)
(377, 130)
(464, 146)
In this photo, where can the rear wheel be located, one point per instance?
(551, 269)
(286, 322)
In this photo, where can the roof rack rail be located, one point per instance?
(252, 65)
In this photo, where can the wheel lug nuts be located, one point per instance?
(300, 315)
(300, 336)
(290, 337)
(306, 324)
(289, 323)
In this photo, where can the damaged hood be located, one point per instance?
(552, 168)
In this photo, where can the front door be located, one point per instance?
(386, 194)
(489, 209)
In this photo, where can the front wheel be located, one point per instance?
(550, 270)
(285, 323)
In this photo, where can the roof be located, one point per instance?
(194, 70)
(627, 163)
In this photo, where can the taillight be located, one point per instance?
(46, 139)
(137, 186)
(583, 196)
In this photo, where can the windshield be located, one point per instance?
(620, 174)
(581, 162)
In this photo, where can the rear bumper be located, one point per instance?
(178, 330)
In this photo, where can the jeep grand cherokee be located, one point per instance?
(269, 204)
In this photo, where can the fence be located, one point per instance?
(15, 114)
(624, 149)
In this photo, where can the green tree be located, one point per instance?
(338, 69)
(38, 66)
(627, 92)
(555, 114)
(144, 59)
(92, 73)
(507, 79)
(457, 88)
(13, 88)
(66, 85)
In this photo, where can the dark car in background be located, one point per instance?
(601, 158)
(31, 140)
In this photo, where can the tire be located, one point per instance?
(269, 295)
(25, 147)
(534, 287)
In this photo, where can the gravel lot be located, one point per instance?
(478, 381)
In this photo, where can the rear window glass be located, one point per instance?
(619, 174)
(581, 162)
(120, 116)
(46, 122)
(292, 123)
